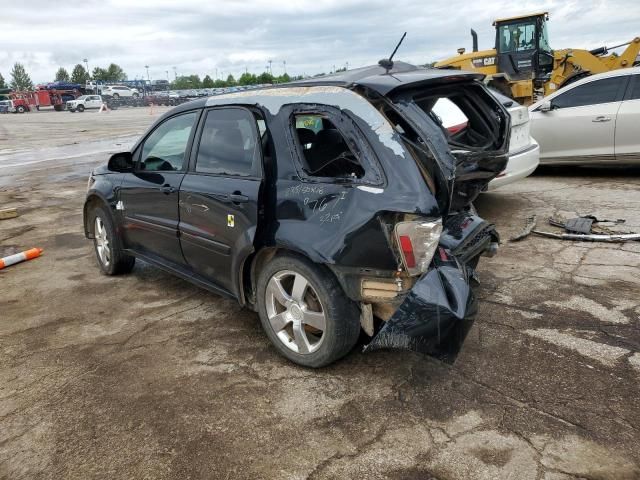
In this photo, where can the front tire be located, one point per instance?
(80, 108)
(107, 245)
(20, 109)
(305, 313)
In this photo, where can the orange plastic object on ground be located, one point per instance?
(20, 257)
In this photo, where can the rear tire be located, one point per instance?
(312, 323)
(107, 244)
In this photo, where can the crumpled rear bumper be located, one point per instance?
(435, 316)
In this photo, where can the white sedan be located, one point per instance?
(595, 120)
(523, 149)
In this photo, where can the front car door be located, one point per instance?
(219, 196)
(581, 124)
(627, 137)
(149, 196)
(93, 101)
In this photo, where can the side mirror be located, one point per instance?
(545, 106)
(121, 162)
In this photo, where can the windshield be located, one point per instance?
(544, 39)
(517, 37)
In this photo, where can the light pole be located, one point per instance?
(147, 67)
(284, 66)
(175, 73)
(167, 72)
(86, 62)
(270, 70)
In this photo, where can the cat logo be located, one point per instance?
(230, 221)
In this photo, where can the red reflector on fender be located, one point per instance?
(407, 251)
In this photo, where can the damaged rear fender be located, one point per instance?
(435, 316)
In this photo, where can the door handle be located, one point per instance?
(601, 119)
(167, 189)
(238, 198)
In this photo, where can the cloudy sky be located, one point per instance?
(311, 36)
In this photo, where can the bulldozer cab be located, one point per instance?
(522, 46)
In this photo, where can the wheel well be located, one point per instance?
(254, 264)
(92, 202)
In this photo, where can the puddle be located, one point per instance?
(40, 155)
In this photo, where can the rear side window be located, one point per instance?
(325, 150)
(228, 145)
(593, 93)
(164, 149)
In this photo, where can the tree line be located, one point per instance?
(21, 81)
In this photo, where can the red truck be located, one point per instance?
(43, 96)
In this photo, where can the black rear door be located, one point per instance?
(149, 196)
(219, 196)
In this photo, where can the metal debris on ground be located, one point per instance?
(583, 228)
(529, 226)
(591, 237)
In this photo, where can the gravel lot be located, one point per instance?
(147, 376)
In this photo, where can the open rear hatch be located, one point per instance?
(458, 132)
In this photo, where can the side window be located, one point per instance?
(164, 149)
(228, 145)
(635, 88)
(325, 151)
(593, 93)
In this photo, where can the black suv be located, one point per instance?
(329, 206)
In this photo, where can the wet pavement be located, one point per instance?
(147, 376)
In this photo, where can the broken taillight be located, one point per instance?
(418, 241)
(407, 251)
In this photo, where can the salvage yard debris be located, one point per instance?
(529, 225)
(583, 228)
(6, 213)
(20, 257)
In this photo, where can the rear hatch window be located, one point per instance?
(459, 132)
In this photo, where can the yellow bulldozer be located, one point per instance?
(523, 66)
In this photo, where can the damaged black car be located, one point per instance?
(329, 206)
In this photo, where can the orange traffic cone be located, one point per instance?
(104, 108)
(20, 257)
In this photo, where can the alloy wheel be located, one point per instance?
(295, 312)
(103, 246)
